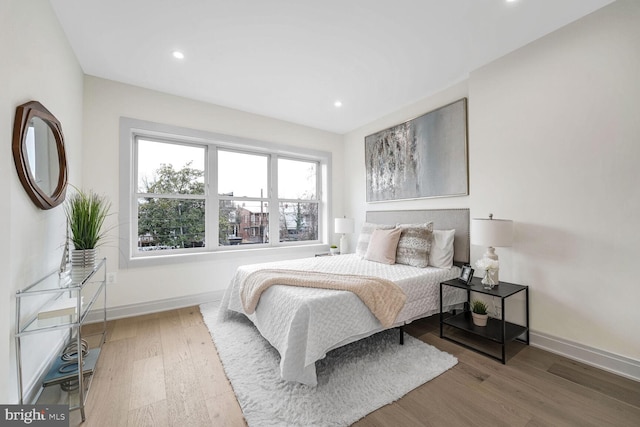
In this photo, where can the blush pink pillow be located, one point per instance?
(383, 245)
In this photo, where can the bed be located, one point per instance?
(303, 324)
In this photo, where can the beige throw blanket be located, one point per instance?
(384, 298)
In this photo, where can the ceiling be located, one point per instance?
(292, 59)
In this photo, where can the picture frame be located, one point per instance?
(466, 274)
(421, 158)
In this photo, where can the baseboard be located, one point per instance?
(130, 310)
(32, 386)
(619, 365)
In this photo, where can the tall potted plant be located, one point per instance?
(86, 212)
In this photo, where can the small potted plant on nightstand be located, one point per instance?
(333, 250)
(479, 313)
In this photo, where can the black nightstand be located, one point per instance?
(497, 330)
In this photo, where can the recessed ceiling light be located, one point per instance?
(178, 55)
(338, 104)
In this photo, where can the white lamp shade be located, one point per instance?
(344, 225)
(491, 232)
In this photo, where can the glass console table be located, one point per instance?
(52, 312)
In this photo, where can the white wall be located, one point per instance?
(553, 145)
(556, 124)
(356, 204)
(104, 103)
(37, 64)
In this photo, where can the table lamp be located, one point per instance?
(344, 226)
(491, 233)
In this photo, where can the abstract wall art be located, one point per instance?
(423, 157)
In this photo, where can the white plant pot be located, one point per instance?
(479, 319)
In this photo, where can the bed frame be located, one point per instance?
(443, 219)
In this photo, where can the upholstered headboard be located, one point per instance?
(443, 219)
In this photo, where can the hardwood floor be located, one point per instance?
(163, 370)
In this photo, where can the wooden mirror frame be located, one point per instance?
(24, 114)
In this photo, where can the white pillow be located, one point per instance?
(383, 245)
(365, 235)
(441, 254)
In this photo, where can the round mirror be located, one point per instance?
(39, 155)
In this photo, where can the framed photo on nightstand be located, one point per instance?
(466, 274)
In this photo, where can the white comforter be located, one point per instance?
(303, 324)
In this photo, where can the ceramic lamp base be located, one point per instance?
(344, 245)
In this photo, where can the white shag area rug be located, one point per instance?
(353, 380)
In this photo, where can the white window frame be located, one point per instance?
(269, 198)
(136, 194)
(130, 129)
(277, 199)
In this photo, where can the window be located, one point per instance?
(243, 194)
(170, 195)
(193, 194)
(297, 200)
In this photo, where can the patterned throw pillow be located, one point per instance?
(415, 244)
(365, 236)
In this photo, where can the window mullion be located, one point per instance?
(133, 208)
(274, 216)
(212, 203)
(170, 196)
(320, 219)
